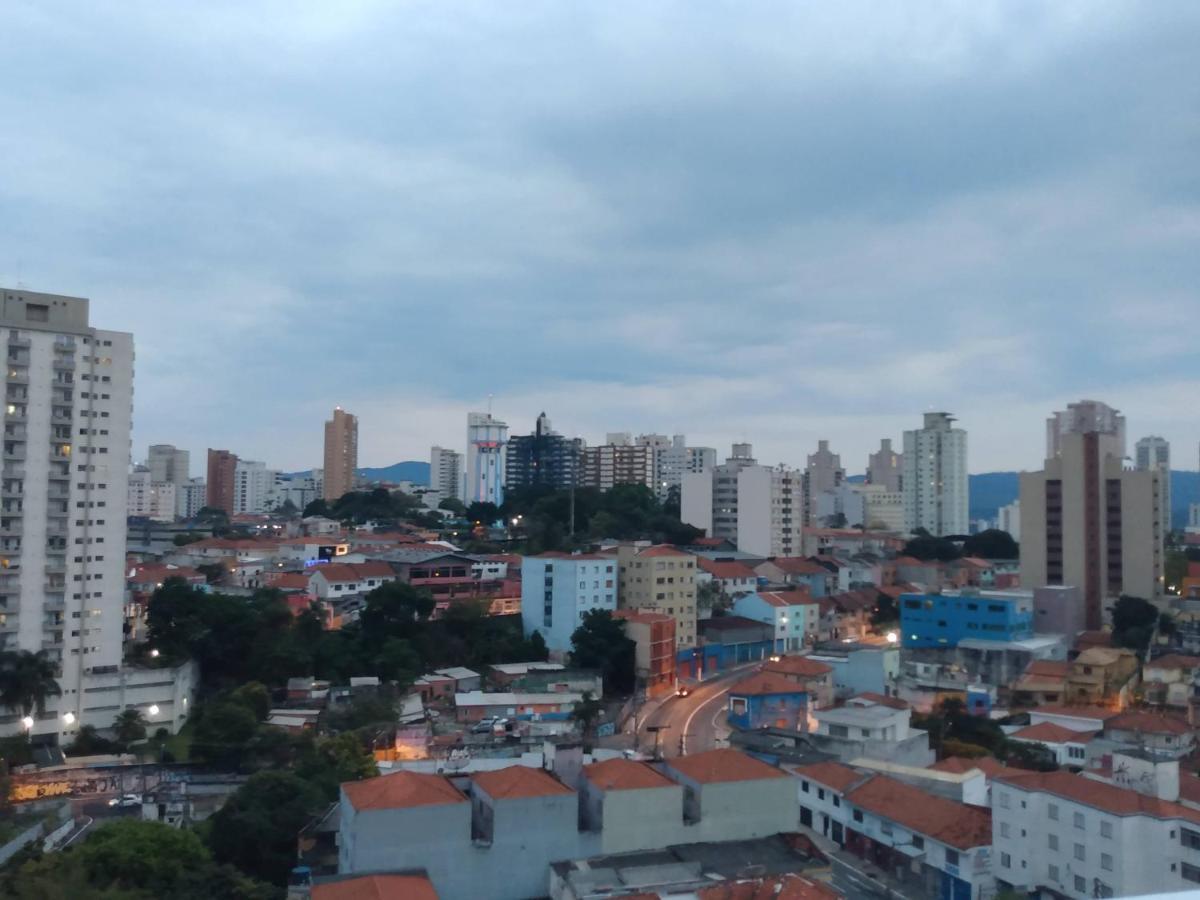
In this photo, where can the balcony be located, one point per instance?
(17, 375)
(64, 363)
(56, 566)
(15, 413)
(11, 529)
(17, 341)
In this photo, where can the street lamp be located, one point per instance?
(153, 710)
(27, 722)
(154, 654)
(892, 637)
(68, 718)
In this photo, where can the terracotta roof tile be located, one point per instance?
(725, 568)
(1189, 788)
(1048, 668)
(797, 565)
(1049, 733)
(1148, 722)
(781, 599)
(952, 823)
(377, 887)
(1174, 661)
(625, 775)
(724, 765)
(644, 616)
(1081, 711)
(761, 683)
(663, 550)
(1108, 797)
(519, 782)
(798, 665)
(773, 887)
(836, 775)
(881, 700)
(344, 572)
(401, 790)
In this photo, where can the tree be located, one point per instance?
(926, 547)
(331, 761)
(88, 742)
(586, 713)
(1133, 620)
(398, 661)
(600, 643)
(392, 608)
(483, 512)
(27, 680)
(256, 829)
(885, 612)
(710, 596)
(671, 505)
(837, 520)
(453, 505)
(129, 726)
(991, 543)
(538, 651)
(222, 733)
(319, 508)
(146, 854)
(188, 537)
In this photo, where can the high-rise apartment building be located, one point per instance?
(1087, 521)
(771, 510)
(824, 469)
(190, 497)
(663, 580)
(486, 439)
(886, 467)
(611, 464)
(935, 477)
(709, 499)
(222, 466)
(253, 487)
(341, 454)
(673, 458)
(168, 463)
(543, 458)
(150, 499)
(1155, 453)
(446, 472)
(67, 418)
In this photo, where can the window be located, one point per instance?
(1079, 820)
(918, 842)
(1053, 872)
(820, 793)
(1005, 861)
(951, 857)
(1189, 838)
(1052, 812)
(1052, 840)
(1005, 830)
(885, 827)
(804, 786)
(858, 817)
(1190, 872)
(1080, 883)
(1080, 854)
(1106, 862)
(1106, 829)
(837, 801)
(1002, 798)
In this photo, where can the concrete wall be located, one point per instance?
(642, 819)
(738, 810)
(429, 837)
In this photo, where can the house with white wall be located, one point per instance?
(795, 616)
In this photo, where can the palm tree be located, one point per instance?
(586, 712)
(27, 679)
(129, 726)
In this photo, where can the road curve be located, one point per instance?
(693, 718)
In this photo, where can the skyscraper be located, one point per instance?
(544, 457)
(1155, 453)
(446, 472)
(824, 473)
(885, 467)
(486, 440)
(1085, 520)
(67, 417)
(219, 488)
(168, 463)
(935, 477)
(709, 498)
(341, 454)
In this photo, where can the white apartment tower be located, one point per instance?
(168, 463)
(446, 472)
(709, 499)
(67, 416)
(935, 477)
(487, 438)
(1154, 453)
(253, 486)
(673, 458)
(771, 505)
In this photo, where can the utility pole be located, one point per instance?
(574, 478)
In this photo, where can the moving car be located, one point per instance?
(126, 801)
(682, 691)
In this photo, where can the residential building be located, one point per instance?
(219, 486)
(153, 500)
(728, 791)
(768, 700)
(1068, 835)
(1102, 674)
(486, 440)
(543, 458)
(376, 887)
(882, 509)
(794, 615)
(709, 500)
(673, 459)
(546, 706)
(1154, 454)
(191, 497)
(727, 641)
(446, 472)
(796, 571)
(732, 577)
(557, 589)
(1008, 518)
(1058, 609)
(839, 507)
(333, 581)
(860, 667)
(1087, 521)
(67, 422)
(341, 453)
(935, 477)
(168, 463)
(944, 619)
(1172, 680)
(1044, 681)
(885, 468)
(635, 794)
(608, 465)
(653, 635)
(660, 579)
(1068, 746)
(253, 487)
(771, 510)
(872, 726)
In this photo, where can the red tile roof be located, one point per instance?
(798, 665)
(1189, 788)
(855, 601)
(644, 616)
(725, 568)
(708, 542)
(401, 790)
(797, 565)
(1148, 722)
(724, 765)
(377, 887)
(762, 683)
(1081, 711)
(956, 824)
(346, 572)
(625, 775)
(882, 700)
(1086, 639)
(519, 782)
(834, 775)
(772, 887)
(1174, 661)
(1048, 668)
(1108, 797)
(990, 766)
(663, 550)
(1049, 733)
(290, 581)
(780, 599)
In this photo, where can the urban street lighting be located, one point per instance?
(28, 723)
(68, 718)
(153, 709)
(892, 637)
(154, 653)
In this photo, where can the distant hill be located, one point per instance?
(412, 470)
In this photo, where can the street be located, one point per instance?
(699, 718)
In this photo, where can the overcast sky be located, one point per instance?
(773, 222)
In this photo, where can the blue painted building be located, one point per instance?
(768, 700)
(942, 620)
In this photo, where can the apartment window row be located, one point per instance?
(84, 395)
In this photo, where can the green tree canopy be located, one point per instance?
(992, 543)
(27, 680)
(600, 643)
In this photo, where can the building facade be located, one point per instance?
(772, 510)
(1087, 521)
(673, 458)
(253, 487)
(486, 440)
(446, 472)
(944, 619)
(219, 486)
(150, 499)
(611, 464)
(544, 458)
(709, 500)
(885, 467)
(1154, 453)
(168, 463)
(935, 477)
(557, 590)
(341, 453)
(660, 579)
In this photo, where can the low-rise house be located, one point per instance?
(1102, 674)
(872, 726)
(646, 802)
(853, 610)
(768, 700)
(860, 666)
(727, 641)
(1165, 734)
(728, 793)
(813, 675)
(732, 577)
(1171, 680)
(475, 705)
(1044, 681)
(464, 679)
(333, 581)
(653, 636)
(434, 688)
(1070, 747)
(946, 619)
(794, 615)
(503, 675)
(1078, 718)
(797, 571)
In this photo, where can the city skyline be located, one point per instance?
(886, 213)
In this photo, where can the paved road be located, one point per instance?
(698, 719)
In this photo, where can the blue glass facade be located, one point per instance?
(942, 620)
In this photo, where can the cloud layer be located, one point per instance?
(740, 221)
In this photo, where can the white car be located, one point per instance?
(126, 801)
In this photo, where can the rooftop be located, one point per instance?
(836, 775)
(957, 824)
(520, 782)
(1174, 661)
(798, 665)
(784, 599)
(526, 667)
(988, 765)
(878, 700)
(1049, 733)
(725, 568)
(797, 565)
(1148, 723)
(663, 550)
(457, 672)
(346, 572)
(1100, 795)
(401, 790)
(1081, 711)
(729, 623)
(506, 698)
(376, 887)
(625, 775)
(723, 765)
(766, 682)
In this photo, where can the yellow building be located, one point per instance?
(660, 579)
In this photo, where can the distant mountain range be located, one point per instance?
(412, 470)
